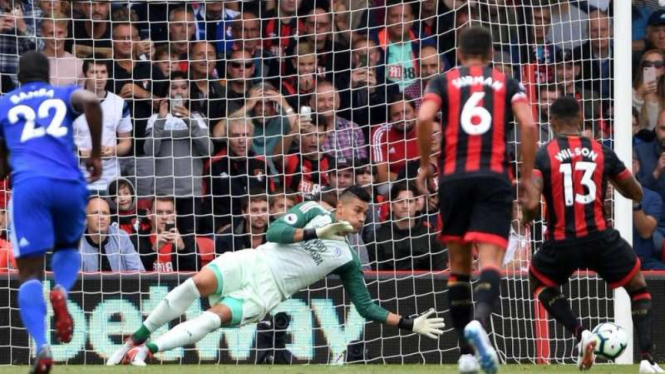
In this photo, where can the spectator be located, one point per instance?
(15, 36)
(435, 21)
(280, 28)
(239, 72)
(640, 20)
(92, 34)
(502, 62)
(346, 139)
(547, 95)
(364, 177)
(117, 125)
(394, 144)
(166, 62)
(299, 87)
(246, 31)
(7, 260)
(596, 55)
(65, 68)
(161, 246)
(569, 25)
(647, 214)
(400, 44)
(206, 92)
(306, 172)
(139, 83)
(431, 65)
(179, 140)
(104, 246)
(122, 198)
(405, 242)
(182, 27)
(366, 95)
(250, 230)
(655, 34)
(652, 160)
(649, 87)
(235, 171)
(332, 58)
(568, 75)
(280, 203)
(410, 171)
(212, 24)
(341, 175)
(535, 48)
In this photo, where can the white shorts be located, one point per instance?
(246, 285)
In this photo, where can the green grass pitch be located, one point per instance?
(317, 369)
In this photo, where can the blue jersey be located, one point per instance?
(36, 122)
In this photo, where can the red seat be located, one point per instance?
(206, 248)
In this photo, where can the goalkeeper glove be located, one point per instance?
(423, 325)
(332, 231)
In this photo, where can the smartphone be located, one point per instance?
(177, 102)
(649, 75)
(169, 226)
(306, 113)
(363, 59)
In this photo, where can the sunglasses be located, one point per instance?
(654, 64)
(238, 65)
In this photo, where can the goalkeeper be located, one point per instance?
(304, 246)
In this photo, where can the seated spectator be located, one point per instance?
(179, 140)
(212, 24)
(92, 34)
(364, 178)
(535, 48)
(341, 175)
(568, 75)
(647, 214)
(596, 54)
(15, 37)
(332, 58)
(280, 203)
(405, 242)
(235, 171)
(104, 246)
(395, 143)
(161, 246)
(346, 139)
(306, 171)
(410, 171)
(181, 30)
(569, 25)
(117, 125)
(248, 231)
(366, 95)
(640, 135)
(640, 20)
(651, 157)
(649, 87)
(129, 217)
(239, 71)
(431, 65)
(655, 38)
(166, 62)
(206, 94)
(280, 28)
(299, 87)
(65, 68)
(547, 94)
(246, 32)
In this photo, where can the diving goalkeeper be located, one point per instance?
(304, 246)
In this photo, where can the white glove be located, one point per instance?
(430, 327)
(334, 231)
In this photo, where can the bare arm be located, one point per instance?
(124, 143)
(628, 186)
(428, 111)
(645, 224)
(530, 213)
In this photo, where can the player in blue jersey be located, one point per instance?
(49, 193)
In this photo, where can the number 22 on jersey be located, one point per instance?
(567, 170)
(30, 131)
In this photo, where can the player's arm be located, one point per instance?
(428, 110)
(354, 285)
(627, 185)
(290, 228)
(531, 212)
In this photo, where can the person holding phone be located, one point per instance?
(649, 88)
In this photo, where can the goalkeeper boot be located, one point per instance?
(64, 324)
(586, 350)
(468, 364)
(475, 334)
(647, 367)
(138, 355)
(118, 356)
(43, 361)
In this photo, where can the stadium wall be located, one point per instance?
(321, 322)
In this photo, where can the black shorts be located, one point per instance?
(476, 209)
(606, 253)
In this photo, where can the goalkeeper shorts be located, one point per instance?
(246, 285)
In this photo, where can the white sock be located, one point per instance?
(189, 332)
(173, 306)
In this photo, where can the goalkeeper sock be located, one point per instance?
(557, 306)
(173, 306)
(643, 320)
(188, 332)
(486, 293)
(461, 307)
(32, 308)
(66, 264)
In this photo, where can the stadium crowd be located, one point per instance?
(221, 115)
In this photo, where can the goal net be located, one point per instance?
(221, 114)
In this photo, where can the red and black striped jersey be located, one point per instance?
(304, 175)
(575, 171)
(476, 106)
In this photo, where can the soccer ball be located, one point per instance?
(612, 340)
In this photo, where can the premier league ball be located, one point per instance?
(612, 340)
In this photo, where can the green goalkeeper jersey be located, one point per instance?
(297, 265)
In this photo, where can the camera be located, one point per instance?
(271, 340)
(169, 226)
